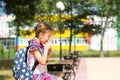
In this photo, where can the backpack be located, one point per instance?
(20, 69)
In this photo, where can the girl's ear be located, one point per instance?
(40, 34)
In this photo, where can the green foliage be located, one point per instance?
(118, 24)
(26, 10)
(89, 53)
(94, 53)
(22, 9)
(7, 54)
(106, 7)
(93, 29)
(106, 10)
(2, 53)
(55, 53)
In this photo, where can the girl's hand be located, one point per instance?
(50, 51)
(47, 50)
(48, 47)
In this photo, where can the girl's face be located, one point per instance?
(44, 37)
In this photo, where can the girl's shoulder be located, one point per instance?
(34, 41)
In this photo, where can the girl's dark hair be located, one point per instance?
(42, 27)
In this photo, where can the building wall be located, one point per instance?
(109, 41)
(82, 42)
(79, 44)
(4, 30)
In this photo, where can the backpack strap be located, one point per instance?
(36, 62)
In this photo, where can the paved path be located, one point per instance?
(99, 69)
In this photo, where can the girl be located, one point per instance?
(43, 33)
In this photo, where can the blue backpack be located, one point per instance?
(20, 69)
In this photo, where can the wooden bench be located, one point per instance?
(64, 68)
(58, 68)
(55, 69)
(68, 69)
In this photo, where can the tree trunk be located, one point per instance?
(102, 36)
(70, 42)
(101, 43)
(71, 27)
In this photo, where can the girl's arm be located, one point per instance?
(43, 58)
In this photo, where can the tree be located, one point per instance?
(118, 31)
(106, 9)
(21, 9)
(76, 9)
(24, 11)
(79, 9)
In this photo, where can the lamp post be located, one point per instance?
(61, 7)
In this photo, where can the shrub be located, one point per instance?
(2, 52)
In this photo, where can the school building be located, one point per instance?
(81, 41)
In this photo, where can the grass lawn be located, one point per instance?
(5, 65)
(5, 70)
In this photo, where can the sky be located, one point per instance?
(2, 4)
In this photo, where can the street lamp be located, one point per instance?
(61, 7)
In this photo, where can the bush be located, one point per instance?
(90, 53)
(93, 53)
(9, 53)
(56, 53)
(2, 53)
